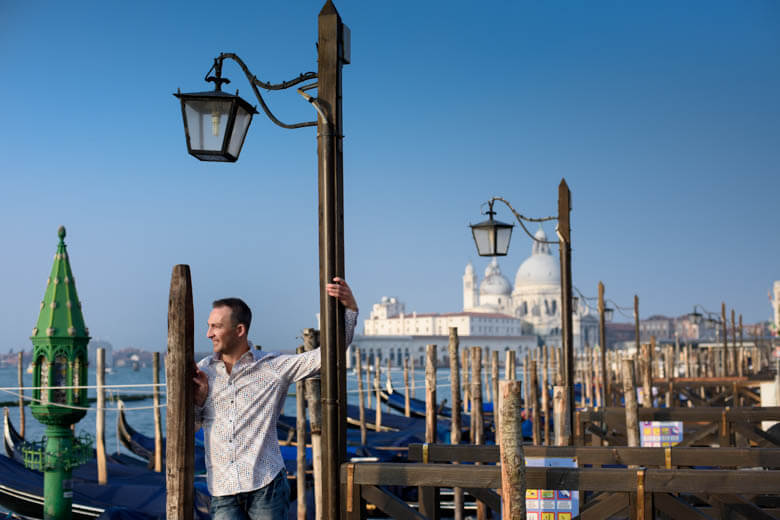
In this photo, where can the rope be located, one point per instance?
(79, 387)
(73, 407)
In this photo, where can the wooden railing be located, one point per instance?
(661, 485)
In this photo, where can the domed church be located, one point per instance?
(535, 298)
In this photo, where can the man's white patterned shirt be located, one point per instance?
(240, 413)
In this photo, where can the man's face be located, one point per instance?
(223, 333)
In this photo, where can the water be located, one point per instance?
(143, 419)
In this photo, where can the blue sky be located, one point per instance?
(663, 117)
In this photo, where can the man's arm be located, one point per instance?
(201, 381)
(341, 290)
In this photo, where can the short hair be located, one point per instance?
(239, 310)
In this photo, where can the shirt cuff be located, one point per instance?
(350, 322)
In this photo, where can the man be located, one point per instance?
(239, 393)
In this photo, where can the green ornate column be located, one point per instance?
(59, 361)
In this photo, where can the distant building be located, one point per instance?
(775, 325)
(494, 314)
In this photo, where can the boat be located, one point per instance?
(132, 492)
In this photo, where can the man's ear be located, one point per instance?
(241, 330)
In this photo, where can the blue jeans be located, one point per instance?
(270, 502)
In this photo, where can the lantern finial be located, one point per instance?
(61, 232)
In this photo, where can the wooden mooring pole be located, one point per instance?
(546, 394)
(180, 418)
(429, 496)
(511, 453)
(407, 411)
(300, 441)
(362, 397)
(455, 432)
(100, 417)
(477, 432)
(378, 391)
(430, 393)
(20, 372)
(629, 394)
(158, 446)
(534, 386)
(311, 340)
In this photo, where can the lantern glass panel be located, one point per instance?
(240, 126)
(207, 122)
(60, 375)
(44, 364)
(77, 379)
(483, 237)
(503, 234)
(608, 313)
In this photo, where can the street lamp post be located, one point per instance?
(492, 239)
(215, 126)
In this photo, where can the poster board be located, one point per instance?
(547, 504)
(660, 434)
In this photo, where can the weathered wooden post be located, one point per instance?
(534, 386)
(430, 393)
(605, 386)
(429, 496)
(726, 371)
(378, 390)
(546, 394)
(414, 381)
(300, 441)
(526, 385)
(361, 396)
(588, 367)
(478, 432)
(494, 381)
(465, 389)
(510, 370)
(180, 413)
(100, 417)
(486, 374)
(20, 373)
(407, 411)
(158, 447)
(560, 416)
(311, 340)
(646, 371)
(743, 364)
(511, 453)
(629, 394)
(455, 432)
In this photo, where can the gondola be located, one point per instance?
(131, 488)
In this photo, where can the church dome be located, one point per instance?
(541, 268)
(494, 282)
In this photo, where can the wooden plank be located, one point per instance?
(732, 504)
(680, 456)
(488, 496)
(714, 481)
(605, 506)
(435, 475)
(388, 503)
(676, 508)
(428, 502)
(758, 435)
(587, 479)
(712, 429)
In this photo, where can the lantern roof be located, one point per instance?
(60, 315)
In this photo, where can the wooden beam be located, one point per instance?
(390, 504)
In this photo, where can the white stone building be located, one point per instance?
(535, 298)
(776, 307)
(495, 314)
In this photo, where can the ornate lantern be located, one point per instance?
(59, 364)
